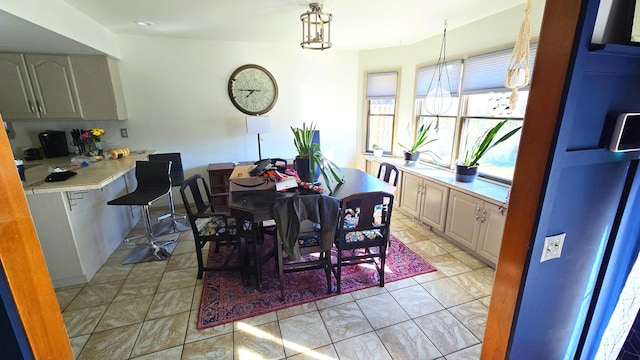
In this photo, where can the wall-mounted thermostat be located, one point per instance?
(626, 134)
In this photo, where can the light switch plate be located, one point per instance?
(552, 247)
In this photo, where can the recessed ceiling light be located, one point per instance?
(143, 23)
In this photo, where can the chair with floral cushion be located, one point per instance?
(208, 225)
(388, 173)
(363, 232)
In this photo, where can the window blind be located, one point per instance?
(488, 71)
(425, 76)
(382, 85)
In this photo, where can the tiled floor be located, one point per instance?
(149, 311)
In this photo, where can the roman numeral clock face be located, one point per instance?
(253, 90)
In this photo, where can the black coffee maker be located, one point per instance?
(54, 143)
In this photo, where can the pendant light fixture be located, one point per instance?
(316, 28)
(438, 99)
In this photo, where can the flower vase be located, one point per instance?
(94, 148)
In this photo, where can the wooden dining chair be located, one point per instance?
(306, 226)
(209, 226)
(388, 173)
(363, 232)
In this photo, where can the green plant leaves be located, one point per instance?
(303, 141)
(486, 142)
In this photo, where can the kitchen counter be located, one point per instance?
(95, 176)
(76, 228)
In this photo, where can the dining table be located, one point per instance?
(251, 208)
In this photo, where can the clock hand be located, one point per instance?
(252, 90)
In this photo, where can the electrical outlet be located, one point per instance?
(552, 247)
(124, 133)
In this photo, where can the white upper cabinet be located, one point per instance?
(60, 87)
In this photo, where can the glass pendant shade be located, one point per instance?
(438, 101)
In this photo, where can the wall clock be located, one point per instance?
(253, 90)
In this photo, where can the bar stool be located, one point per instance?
(153, 183)
(171, 222)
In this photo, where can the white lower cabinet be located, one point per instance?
(475, 224)
(425, 200)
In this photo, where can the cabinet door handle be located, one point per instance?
(31, 109)
(477, 212)
(39, 107)
(484, 215)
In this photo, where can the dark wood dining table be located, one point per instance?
(252, 207)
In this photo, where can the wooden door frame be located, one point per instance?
(25, 269)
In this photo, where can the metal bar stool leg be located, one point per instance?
(155, 249)
(171, 222)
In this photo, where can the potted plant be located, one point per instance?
(310, 163)
(377, 150)
(467, 169)
(412, 153)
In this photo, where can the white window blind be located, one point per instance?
(488, 71)
(425, 76)
(382, 85)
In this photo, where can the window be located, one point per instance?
(381, 109)
(444, 125)
(479, 101)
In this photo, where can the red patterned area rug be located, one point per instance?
(225, 299)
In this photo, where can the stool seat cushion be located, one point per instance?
(215, 225)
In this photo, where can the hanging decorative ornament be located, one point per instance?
(518, 69)
(438, 99)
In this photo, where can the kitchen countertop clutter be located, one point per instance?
(95, 175)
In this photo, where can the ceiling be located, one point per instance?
(357, 24)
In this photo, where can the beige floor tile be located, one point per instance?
(344, 321)
(303, 332)
(416, 301)
(372, 291)
(434, 275)
(138, 286)
(119, 255)
(446, 332)
(255, 321)
(258, 342)
(399, 284)
(473, 315)
(125, 312)
(186, 247)
(111, 273)
(66, 295)
(160, 334)
(427, 248)
(446, 245)
(111, 344)
(178, 279)
(408, 236)
(486, 301)
(366, 346)
(182, 261)
(478, 283)
(382, 310)
(148, 268)
(92, 295)
(83, 321)
(470, 353)
(197, 297)
(447, 292)
(322, 353)
(78, 343)
(296, 310)
(448, 264)
(170, 302)
(194, 334)
(174, 353)
(468, 259)
(406, 341)
(334, 300)
(213, 348)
